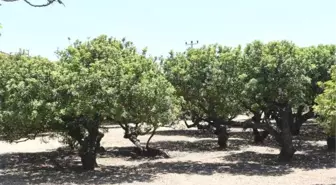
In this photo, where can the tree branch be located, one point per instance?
(308, 115)
(144, 132)
(189, 126)
(150, 137)
(38, 5)
(28, 138)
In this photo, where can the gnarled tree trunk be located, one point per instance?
(222, 136)
(76, 135)
(299, 118)
(99, 148)
(258, 137)
(132, 135)
(88, 154)
(287, 148)
(331, 143)
(88, 149)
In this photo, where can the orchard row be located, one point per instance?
(105, 80)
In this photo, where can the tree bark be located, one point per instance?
(99, 148)
(140, 150)
(299, 119)
(258, 137)
(287, 148)
(331, 143)
(76, 134)
(222, 136)
(88, 153)
(88, 148)
(150, 137)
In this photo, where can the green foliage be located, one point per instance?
(95, 80)
(274, 76)
(207, 79)
(105, 79)
(108, 77)
(326, 104)
(27, 103)
(319, 59)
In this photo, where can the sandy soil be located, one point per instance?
(195, 160)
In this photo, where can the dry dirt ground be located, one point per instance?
(195, 160)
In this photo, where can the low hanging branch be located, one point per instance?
(49, 2)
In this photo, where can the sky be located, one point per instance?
(163, 25)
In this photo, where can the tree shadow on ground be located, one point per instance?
(235, 133)
(312, 132)
(310, 160)
(61, 167)
(203, 168)
(37, 168)
(309, 131)
(205, 145)
(187, 133)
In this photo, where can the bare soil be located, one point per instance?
(195, 159)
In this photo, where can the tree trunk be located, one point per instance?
(76, 135)
(99, 148)
(144, 151)
(88, 149)
(73, 130)
(223, 137)
(150, 137)
(297, 121)
(88, 160)
(87, 154)
(295, 128)
(331, 143)
(258, 138)
(300, 119)
(287, 148)
(134, 139)
(287, 151)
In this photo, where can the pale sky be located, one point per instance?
(165, 25)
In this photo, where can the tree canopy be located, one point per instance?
(107, 80)
(101, 79)
(27, 104)
(326, 104)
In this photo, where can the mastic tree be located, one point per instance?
(80, 106)
(319, 58)
(276, 84)
(109, 80)
(326, 107)
(145, 99)
(207, 79)
(27, 103)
